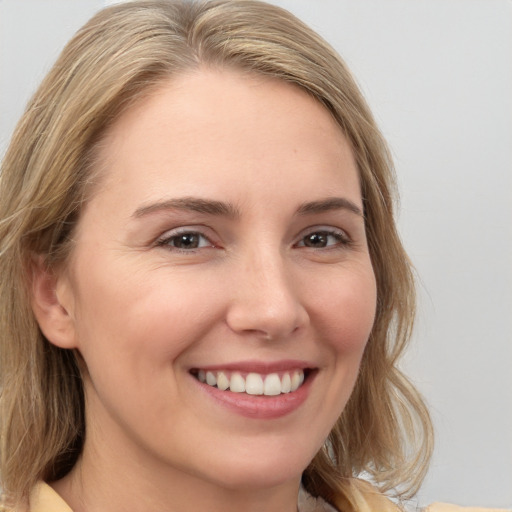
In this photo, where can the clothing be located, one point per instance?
(44, 499)
(445, 507)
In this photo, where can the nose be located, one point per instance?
(265, 299)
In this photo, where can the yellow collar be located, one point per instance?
(44, 499)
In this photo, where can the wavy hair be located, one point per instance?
(116, 58)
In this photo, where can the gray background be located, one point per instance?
(438, 75)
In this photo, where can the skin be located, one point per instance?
(261, 286)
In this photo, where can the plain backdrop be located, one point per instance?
(438, 75)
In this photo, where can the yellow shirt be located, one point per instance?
(44, 499)
(368, 499)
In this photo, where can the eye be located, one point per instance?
(322, 239)
(185, 240)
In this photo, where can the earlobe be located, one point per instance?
(52, 305)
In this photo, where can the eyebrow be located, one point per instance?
(207, 206)
(220, 208)
(330, 203)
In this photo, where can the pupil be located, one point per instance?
(187, 241)
(316, 240)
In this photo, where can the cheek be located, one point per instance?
(131, 336)
(343, 314)
(346, 311)
(139, 317)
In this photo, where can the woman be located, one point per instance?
(204, 296)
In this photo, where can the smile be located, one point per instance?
(252, 383)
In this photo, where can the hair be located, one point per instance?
(115, 59)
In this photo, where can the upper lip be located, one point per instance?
(256, 366)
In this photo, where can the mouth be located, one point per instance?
(252, 383)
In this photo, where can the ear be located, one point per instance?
(52, 303)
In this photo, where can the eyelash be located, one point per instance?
(341, 238)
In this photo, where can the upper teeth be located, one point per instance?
(253, 383)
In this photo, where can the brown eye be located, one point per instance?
(316, 240)
(323, 239)
(186, 241)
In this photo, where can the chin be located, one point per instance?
(267, 470)
(252, 479)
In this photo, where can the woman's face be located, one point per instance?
(225, 241)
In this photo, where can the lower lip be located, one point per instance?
(260, 406)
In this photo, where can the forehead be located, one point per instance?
(209, 127)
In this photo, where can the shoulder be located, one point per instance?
(368, 499)
(446, 507)
(44, 499)
(364, 497)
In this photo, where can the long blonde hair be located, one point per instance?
(121, 53)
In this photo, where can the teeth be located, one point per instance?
(272, 385)
(297, 380)
(222, 381)
(254, 383)
(211, 380)
(237, 383)
(286, 383)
